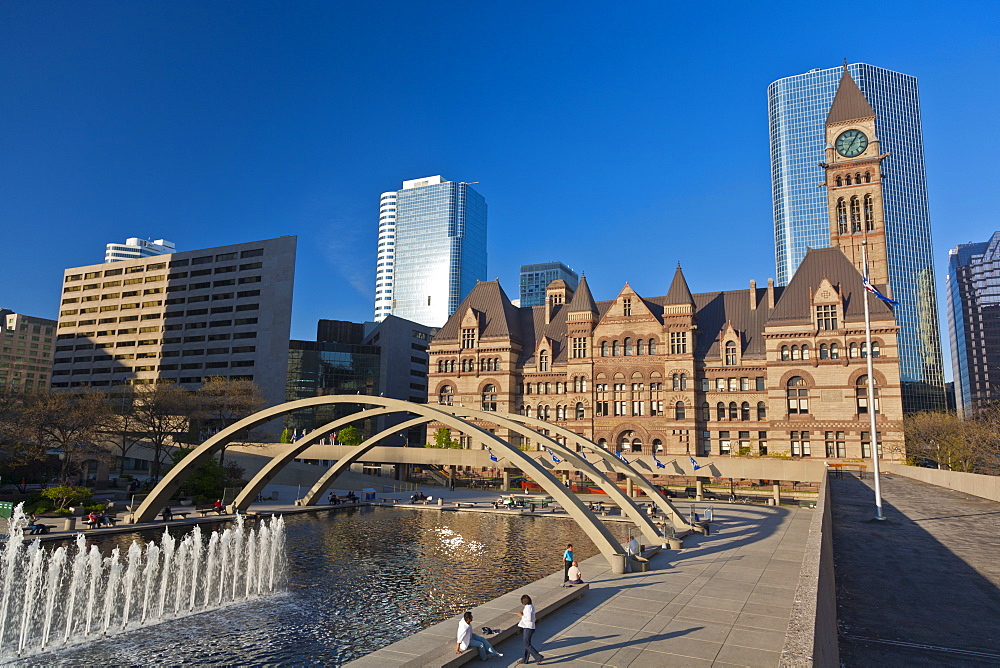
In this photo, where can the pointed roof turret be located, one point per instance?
(679, 292)
(582, 299)
(849, 103)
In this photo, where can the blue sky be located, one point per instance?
(618, 139)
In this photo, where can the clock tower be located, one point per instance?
(854, 181)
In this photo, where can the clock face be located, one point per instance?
(851, 143)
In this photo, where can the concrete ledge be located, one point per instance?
(811, 637)
(983, 486)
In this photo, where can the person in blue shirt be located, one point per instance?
(567, 561)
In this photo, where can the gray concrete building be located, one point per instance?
(26, 347)
(181, 317)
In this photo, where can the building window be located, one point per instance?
(543, 362)
(628, 346)
(861, 395)
(834, 351)
(636, 445)
(800, 444)
(627, 306)
(652, 346)
(852, 350)
(841, 214)
(730, 353)
(745, 411)
(855, 215)
(798, 396)
(785, 355)
(720, 411)
(604, 348)
(725, 445)
(446, 395)
(679, 410)
(826, 316)
(866, 444)
(875, 349)
(579, 347)
(761, 411)
(657, 445)
(490, 398)
(869, 214)
(684, 381)
(805, 352)
(835, 444)
(580, 412)
(824, 351)
(640, 347)
(468, 338)
(615, 349)
(678, 344)
(733, 411)
(795, 353)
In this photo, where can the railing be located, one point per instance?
(399, 487)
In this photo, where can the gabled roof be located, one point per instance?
(499, 319)
(796, 303)
(679, 293)
(849, 103)
(582, 299)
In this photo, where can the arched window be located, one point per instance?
(761, 411)
(560, 413)
(652, 346)
(684, 381)
(560, 388)
(868, 177)
(745, 411)
(625, 444)
(795, 353)
(539, 387)
(706, 412)
(446, 395)
(548, 388)
(604, 348)
(580, 412)
(640, 347)
(441, 366)
(603, 442)
(875, 349)
(628, 345)
(861, 394)
(657, 445)
(527, 388)
(733, 411)
(798, 396)
(527, 411)
(679, 410)
(847, 179)
(636, 445)
(805, 352)
(543, 361)
(864, 349)
(857, 178)
(824, 351)
(841, 215)
(855, 215)
(730, 353)
(834, 351)
(869, 214)
(785, 356)
(546, 411)
(615, 349)
(490, 398)
(852, 350)
(677, 382)
(451, 366)
(720, 411)
(840, 181)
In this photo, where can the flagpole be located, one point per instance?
(873, 435)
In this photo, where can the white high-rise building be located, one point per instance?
(135, 248)
(386, 255)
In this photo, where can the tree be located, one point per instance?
(70, 423)
(208, 480)
(286, 436)
(225, 401)
(162, 414)
(443, 439)
(350, 435)
(969, 445)
(122, 427)
(63, 495)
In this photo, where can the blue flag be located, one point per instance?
(492, 456)
(554, 458)
(870, 288)
(694, 463)
(621, 456)
(659, 464)
(583, 454)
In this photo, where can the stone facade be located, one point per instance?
(757, 372)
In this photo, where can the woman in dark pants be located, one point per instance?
(527, 625)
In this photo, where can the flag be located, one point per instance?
(493, 458)
(659, 464)
(554, 458)
(583, 454)
(694, 463)
(870, 288)
(621, 456)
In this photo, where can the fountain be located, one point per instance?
(54, 598)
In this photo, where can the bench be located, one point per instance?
(545, 603)
(466, 504)
(204, 512)
(40, 529)
(174, 516)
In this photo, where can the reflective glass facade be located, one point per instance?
(319, 369)
(384, 265)
(440, 250)
(974, 321)
(797, 109)
(535, 278)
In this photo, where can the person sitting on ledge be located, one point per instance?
(575, 575)
(217, 506)
(351, 497)
(466, 638)
(92, 519)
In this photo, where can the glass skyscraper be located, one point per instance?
(974, 321)
(535, 277)
(440, 249)
(797, 110)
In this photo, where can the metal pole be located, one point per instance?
(871, 393)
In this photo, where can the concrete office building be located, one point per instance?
(884, 106)
(27, 344)
(135, 247)
(222, 311)
(438, 250)
(974, 322)
(536, 277)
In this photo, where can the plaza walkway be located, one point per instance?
(923, 587)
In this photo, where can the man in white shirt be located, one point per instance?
(466, 638)
(575, 575)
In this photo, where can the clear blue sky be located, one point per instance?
(617, 138)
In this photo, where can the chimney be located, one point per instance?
(548, 309)
(770, 293)
(753, 295)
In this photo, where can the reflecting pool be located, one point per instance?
(358, 580)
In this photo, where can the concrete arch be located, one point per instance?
(632, 511)
(168, 486)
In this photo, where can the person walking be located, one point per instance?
(467, 638)
(567, 562)
(527, 625)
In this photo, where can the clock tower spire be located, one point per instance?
(854, 180)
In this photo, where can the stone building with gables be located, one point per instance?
(763, 371)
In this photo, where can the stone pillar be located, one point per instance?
(629, 490)
(777, 494)
(506, 480)
(699, 490)
(451, 475)
(565, 478)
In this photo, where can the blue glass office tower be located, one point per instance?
(535, 278)
(974, 322)
(797, 110)
(440, 248)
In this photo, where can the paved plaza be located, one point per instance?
(923, 587)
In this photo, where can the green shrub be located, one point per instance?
(61, 512)
(64, 495)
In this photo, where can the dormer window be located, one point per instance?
(543, 361)
(730, 353)
(826, 316)
(627, 306)
(469, 338)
